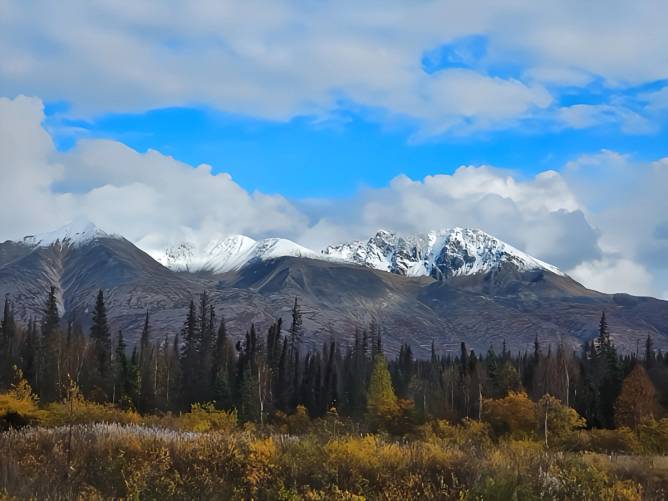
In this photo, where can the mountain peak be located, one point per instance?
(439, 253)
(78, 232)
(230, 253)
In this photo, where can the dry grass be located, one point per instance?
(131, 461)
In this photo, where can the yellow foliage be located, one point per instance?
(18, 407)
(514, 414)
(299, 422)
(561, 420)
(262, 456)
(620, 440)
(653, 436)
(205, 417)
(75, 409)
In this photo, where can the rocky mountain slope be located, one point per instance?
(450, 286)
(438, 254)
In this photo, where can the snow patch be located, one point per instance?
(230, 254)
(74, 234)
(442, 253)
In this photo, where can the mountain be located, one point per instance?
(79, 259)
(445, 286)
(229, 254)
(441, 254)
(438, 254)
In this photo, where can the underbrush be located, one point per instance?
(96, 461)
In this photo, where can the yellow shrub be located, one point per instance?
(75, 409)
(205, 417)
(299, 422)
(514, 414)
(653, 436)
(18, 407)
(619, 440)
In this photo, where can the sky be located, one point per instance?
(542, 123)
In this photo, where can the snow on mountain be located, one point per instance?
(439, 254)
(74, 234)
(230, 253)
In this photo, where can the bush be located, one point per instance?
(514, 414)
(102, 461)
(205, 417)
(18, 407)
(75, 409)
(621, 440)
(653, 436)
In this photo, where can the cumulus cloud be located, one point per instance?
(280, 59)
(150, 198)
(539, 215)
(602, 219)
(615, 275)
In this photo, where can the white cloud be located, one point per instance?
(539, 215)
(657, 100)
(280, 59)
(148, 197)
(615, 275)
(582, 116)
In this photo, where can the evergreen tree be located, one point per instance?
(189, 358)
(30, 354)
(122, 383)
(296, 327)
(649, 352)
(49, 374)
(607, 376)
(8, 345)
(222, 369)
(207, 322)
(146, 373)
(101, 338)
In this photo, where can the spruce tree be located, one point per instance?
(8, 342)
(296, 327)
(49, 376)
(101, 338)
(649, 352)
(222, 368)
(122, 385)
(189, 358)
(146, 374)
(30, 354)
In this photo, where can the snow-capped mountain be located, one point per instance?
(439, 254)
(75, 234)
(230, 253)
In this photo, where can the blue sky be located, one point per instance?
(543, 123)
(306, 157)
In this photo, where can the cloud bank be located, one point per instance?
(280, 59)
(603, 219)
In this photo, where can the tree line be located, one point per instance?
(265, 374)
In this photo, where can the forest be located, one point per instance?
(264, 418)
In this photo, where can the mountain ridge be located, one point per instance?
(504, 302)
(440, 254)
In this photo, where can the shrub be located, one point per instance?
(621, 440)
(653, 436)
(514, 414)
(18, 407)
(205, 417)
(75, 409)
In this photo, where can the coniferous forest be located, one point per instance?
(448, 426)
